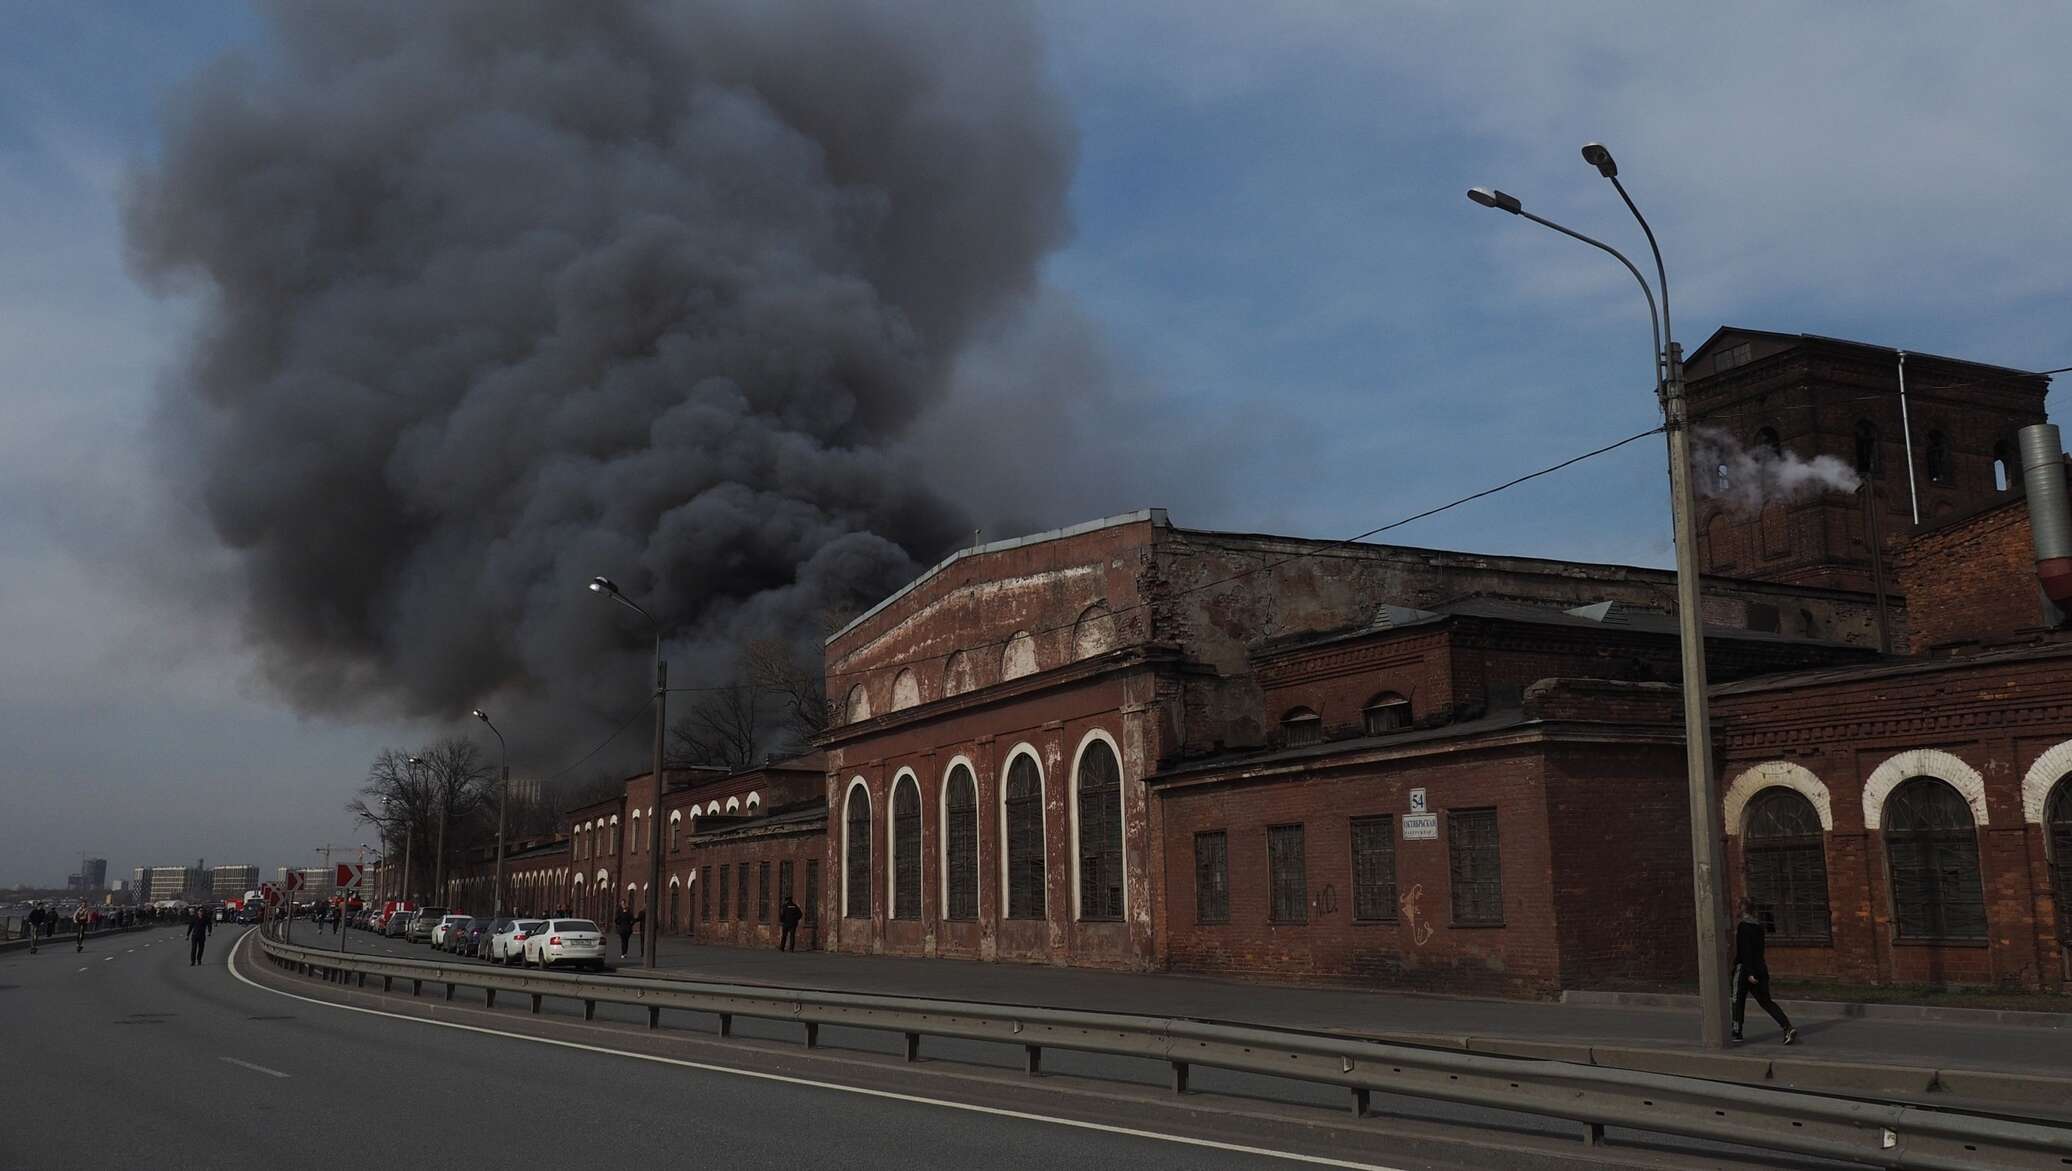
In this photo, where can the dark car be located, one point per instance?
(479, 932)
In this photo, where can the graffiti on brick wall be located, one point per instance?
(1420, 932)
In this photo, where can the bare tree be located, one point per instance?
(797, 686)
(461, 778)
(724, 728)
(399, 801)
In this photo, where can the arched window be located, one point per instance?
(2003, 459)
(1721, 481)
(1938, 458)
(1094, 633)
(960, 845)
(1100, 832)
(1302, 726)
(1784, 862)
(1870, 461)
(1022, 800)
(906, 849)
(675, 892)
(675, 828)
(2057, 831)
(1385, 713)
(958, 675)
(906, 689)
(1019, 658)
(856, 849)
(859, 705)
(1932, 845)
(633, 838)
(1766, 444)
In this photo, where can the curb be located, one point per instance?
(1834, 1009)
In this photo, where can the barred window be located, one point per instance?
(741, 891)
(960, 845)
(1023, 798)
(1932, 846)
(1212, 877)
(1374, 868)
(762, 892)
(784, 887)
(705, 893)
(1100, 833)
(906, 849)
(1287, 873)
(2057, 822)
(724, 902)
(1784, 865)
(1385, 713)
(812, 907)
(1476, 867)
(1302, 726)
(856, 874)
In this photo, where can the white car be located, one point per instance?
(564, 941)
(508, 946)
(445, 925)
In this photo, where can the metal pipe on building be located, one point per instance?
(2050, 513)
(1906, 435)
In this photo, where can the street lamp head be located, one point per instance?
(480, 715)
(604, 585)
(1597, 156)
(415, 759)
(1489, 197)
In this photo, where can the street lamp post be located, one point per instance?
(503, 794)
(1707, 875)
(409, 838)
(605, 586)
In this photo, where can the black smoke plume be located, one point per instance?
(502, 295)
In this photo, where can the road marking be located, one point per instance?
(105, 959)
(256, 1068)
(891, 1095)
(133, 950)
(82, 969)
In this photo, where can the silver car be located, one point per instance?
(507, 946)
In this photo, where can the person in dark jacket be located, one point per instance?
(198, 927)
(35, 927)
(1752, 973)
(789, 916)
(624, 923)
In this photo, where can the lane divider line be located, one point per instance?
(813, 1083)
(250, 1066)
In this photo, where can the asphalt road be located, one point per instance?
(125, 1056)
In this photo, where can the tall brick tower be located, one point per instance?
(1810, 395)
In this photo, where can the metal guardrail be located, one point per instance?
(66, 935)
(1877, 1134)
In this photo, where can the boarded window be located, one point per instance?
(856, 874)
(1784, 860)
(1302, 726)
(2058, 831)
(1212, 877)
(1374, 868)
(1475, 866)
(725, 872)
(741, 891)
(705, 893)
(1024, 801)
(1100, 833)
(762, 892)
(1933, 848)
(906, 849)
(1385, 713)
(1287, 874)
(960, 845)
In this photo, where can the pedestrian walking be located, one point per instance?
(35, 927)
(624, 922)
(198, 927)
(1752, 973)
(789, 916)
(80, 918)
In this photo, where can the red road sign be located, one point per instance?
(294, 880)
(269, 892)
(349, 876)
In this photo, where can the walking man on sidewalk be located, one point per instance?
(1752, 974)
(198, 927)
(789, 916)
(624, 923)
(35, 926)
(80, 918)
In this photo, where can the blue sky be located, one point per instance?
(1311, 330)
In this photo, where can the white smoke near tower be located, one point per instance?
(1747, 479)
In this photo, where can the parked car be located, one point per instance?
(565, 941)
(398, 923)
(443, 931)
(507, 945)
(476, 942)
(420, 929)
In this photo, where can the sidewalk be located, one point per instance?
(1823, 1035)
